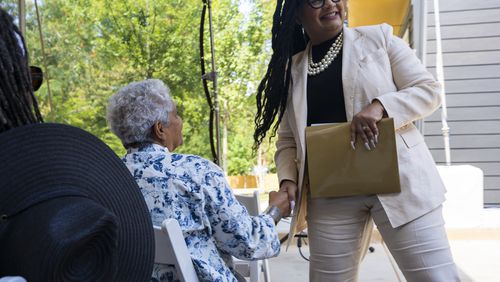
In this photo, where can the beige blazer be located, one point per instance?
(375, 65)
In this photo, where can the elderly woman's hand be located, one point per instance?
(364, 125)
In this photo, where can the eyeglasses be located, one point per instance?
(318, 4)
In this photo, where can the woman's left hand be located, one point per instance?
(364, 125)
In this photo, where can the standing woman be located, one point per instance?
(323, 72)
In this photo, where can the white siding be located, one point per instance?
(471, 54)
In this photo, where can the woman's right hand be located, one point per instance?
(291, 189)
(280, 200)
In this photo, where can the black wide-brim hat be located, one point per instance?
(69, 209)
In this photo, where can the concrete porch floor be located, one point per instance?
(477, 260)
(476, 251)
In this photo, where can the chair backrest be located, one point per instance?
(252, 269)
(170, 248)
(251, 202)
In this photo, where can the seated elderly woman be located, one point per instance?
(188, 188)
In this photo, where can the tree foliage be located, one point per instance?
(94, 47)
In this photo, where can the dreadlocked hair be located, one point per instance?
(287, 39)
(18, 105)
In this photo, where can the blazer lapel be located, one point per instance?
(299, 93)
(351, 55)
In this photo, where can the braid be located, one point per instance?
(18, 105)
(287, 39)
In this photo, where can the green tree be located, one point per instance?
(94, 47)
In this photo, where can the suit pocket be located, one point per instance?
(377, 55)
(375, 70)
(411, 136)
(374, 76)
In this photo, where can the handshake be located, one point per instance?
(281, 203)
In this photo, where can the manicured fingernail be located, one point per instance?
(372, 143)
(367, 146)
(352, 145)
(376, 138)
(292, 205)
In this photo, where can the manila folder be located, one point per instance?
(336, 170)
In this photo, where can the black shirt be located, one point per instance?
(325, 96)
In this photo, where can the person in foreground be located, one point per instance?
(323, 72)
(69, 208)
(188, 188)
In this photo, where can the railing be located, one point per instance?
(269, 182)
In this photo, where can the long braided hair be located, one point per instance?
(18, 105)
(287, 39)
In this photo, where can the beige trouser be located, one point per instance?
(336, 227)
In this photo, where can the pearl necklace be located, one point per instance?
(316, 68)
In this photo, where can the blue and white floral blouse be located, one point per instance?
(215, 225)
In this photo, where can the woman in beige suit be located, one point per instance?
(323, 72)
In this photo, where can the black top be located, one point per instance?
(325, 96)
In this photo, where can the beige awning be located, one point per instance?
(369, 12)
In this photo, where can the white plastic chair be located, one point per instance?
(252, 269)
(170, 248)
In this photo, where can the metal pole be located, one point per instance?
(45, 65)
(214, 73)
(420, 39)
(22, 17)
(440, 76)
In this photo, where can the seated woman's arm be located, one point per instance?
(235, 231)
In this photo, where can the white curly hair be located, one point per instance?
(133, 110)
